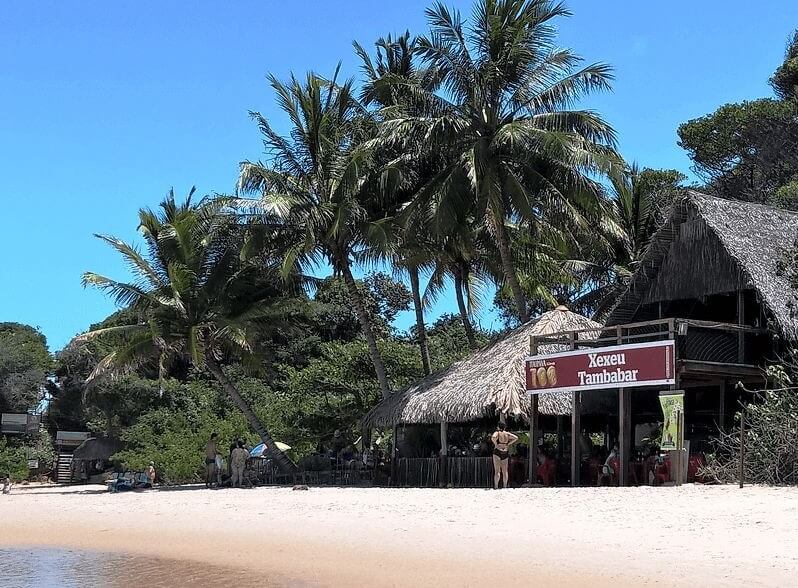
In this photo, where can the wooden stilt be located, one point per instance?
(625, 433)
(442, 481)
(576, 433)
(533, 440)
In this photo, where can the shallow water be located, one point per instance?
(68, 568)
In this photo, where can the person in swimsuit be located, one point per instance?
(210, 461)
(501, 440)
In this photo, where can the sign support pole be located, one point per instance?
(625, 430)
(576, 434)
(532, 454)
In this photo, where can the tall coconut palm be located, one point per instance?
(518, 151)
(463, 258)
(196, 300)
(321, 185)
(394, 60)
(635, 210)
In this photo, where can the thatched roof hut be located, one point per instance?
(97, 449)
(488, 382)
(709, 246)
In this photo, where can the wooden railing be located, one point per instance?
(696, 339)
(461, 472)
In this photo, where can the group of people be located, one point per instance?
(215, 463)
(130, 480)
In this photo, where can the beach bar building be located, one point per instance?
(474, 393)
(709, 305)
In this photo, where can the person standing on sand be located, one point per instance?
(238, 461)
(7, 485)
(150, 471)
(501, 440)
(210, 461)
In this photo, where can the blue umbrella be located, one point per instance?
(261, 449)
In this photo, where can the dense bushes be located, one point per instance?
(771, 439)
(13, 461)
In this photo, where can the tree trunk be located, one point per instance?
(420, 327)
(285, 464)
(469, 330)
(366, 328)
(508, 266)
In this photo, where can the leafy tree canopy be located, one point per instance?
(25, 362)
(748, 150)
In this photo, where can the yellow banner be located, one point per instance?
(672, 408)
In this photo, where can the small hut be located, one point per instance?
(92, 458)
(488, 384)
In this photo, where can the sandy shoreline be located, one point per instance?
(710, 536)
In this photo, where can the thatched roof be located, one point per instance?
(488, 382)
(97, 449)
(710, 245)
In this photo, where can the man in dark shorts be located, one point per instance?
(210, 460)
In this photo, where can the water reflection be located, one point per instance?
(67, 568)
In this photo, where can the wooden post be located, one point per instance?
(532, 454)
(742, 446)
(680, 458)
(624, 426)
(722, 406)
(741, 322)
(576, 434)
(625, 433)
(444, 453)
(576, 429)
(395, 457)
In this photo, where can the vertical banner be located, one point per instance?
(672, 410)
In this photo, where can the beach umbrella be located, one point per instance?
(260, 449)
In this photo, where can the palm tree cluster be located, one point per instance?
(460, 157)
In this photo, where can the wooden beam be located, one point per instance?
(532, 454)
(576, 430)
(576, 434)
(442, 473)
(715, 368)
(395, 457)
(625, 433)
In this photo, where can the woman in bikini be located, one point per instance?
(501, 440)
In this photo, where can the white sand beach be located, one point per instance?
(688, 536)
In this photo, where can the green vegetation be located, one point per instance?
(748, 150)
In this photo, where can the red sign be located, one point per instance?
(622, 366)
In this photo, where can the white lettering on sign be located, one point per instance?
(607, 377)
(597, 360)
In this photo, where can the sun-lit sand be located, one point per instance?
(688, 536)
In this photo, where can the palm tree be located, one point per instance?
(640, 199)
(394, 60)
(464, 258)
(321, 185)
(518, 153)
(195, 299)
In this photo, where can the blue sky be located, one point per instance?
(106, 105)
